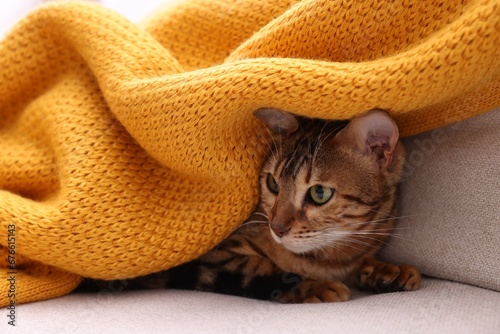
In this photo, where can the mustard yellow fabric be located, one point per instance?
(126, 150)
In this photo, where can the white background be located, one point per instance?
(12, 11)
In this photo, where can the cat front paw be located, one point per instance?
(326, 292)
(383, 277)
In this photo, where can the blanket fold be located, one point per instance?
(125, 151)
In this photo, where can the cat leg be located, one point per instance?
(384, 277)
(307, 290)
(312, 291)
(284, 288)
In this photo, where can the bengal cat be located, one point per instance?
(326, 208)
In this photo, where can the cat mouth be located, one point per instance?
(278, 240)
(293, 244)
(306, 243)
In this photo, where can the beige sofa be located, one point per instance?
(450, 229)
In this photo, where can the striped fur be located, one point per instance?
(293, 250)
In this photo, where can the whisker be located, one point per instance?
(398, 236)
(350, 236)
(371, 243)
(326, 255)
(270, 153)
(334, 236)
(350, 245)
(385, 231)
(249, 222)
(316, 149)
(325, 138)
(391, 235)
(380, 220)
(254, 222)
(261, 214)
(398, 228)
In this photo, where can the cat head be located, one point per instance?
(326, 183)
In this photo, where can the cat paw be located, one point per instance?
(382, 277)
(325, 292)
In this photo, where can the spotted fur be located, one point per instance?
(294, 250)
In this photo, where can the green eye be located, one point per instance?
(320, 195)
(272, 185)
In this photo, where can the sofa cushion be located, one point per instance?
(450, 203)
(439, 307)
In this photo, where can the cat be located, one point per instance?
(326, 208)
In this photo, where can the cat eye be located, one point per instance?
(272, 185)
(320, 195)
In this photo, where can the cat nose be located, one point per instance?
(280, 229)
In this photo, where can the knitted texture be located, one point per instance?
(127, 150)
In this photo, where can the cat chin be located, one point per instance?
(293, 245)
(298, 249)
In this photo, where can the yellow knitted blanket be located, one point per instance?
(127, 150)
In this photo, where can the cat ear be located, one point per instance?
(373, 132)
(277, 121)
